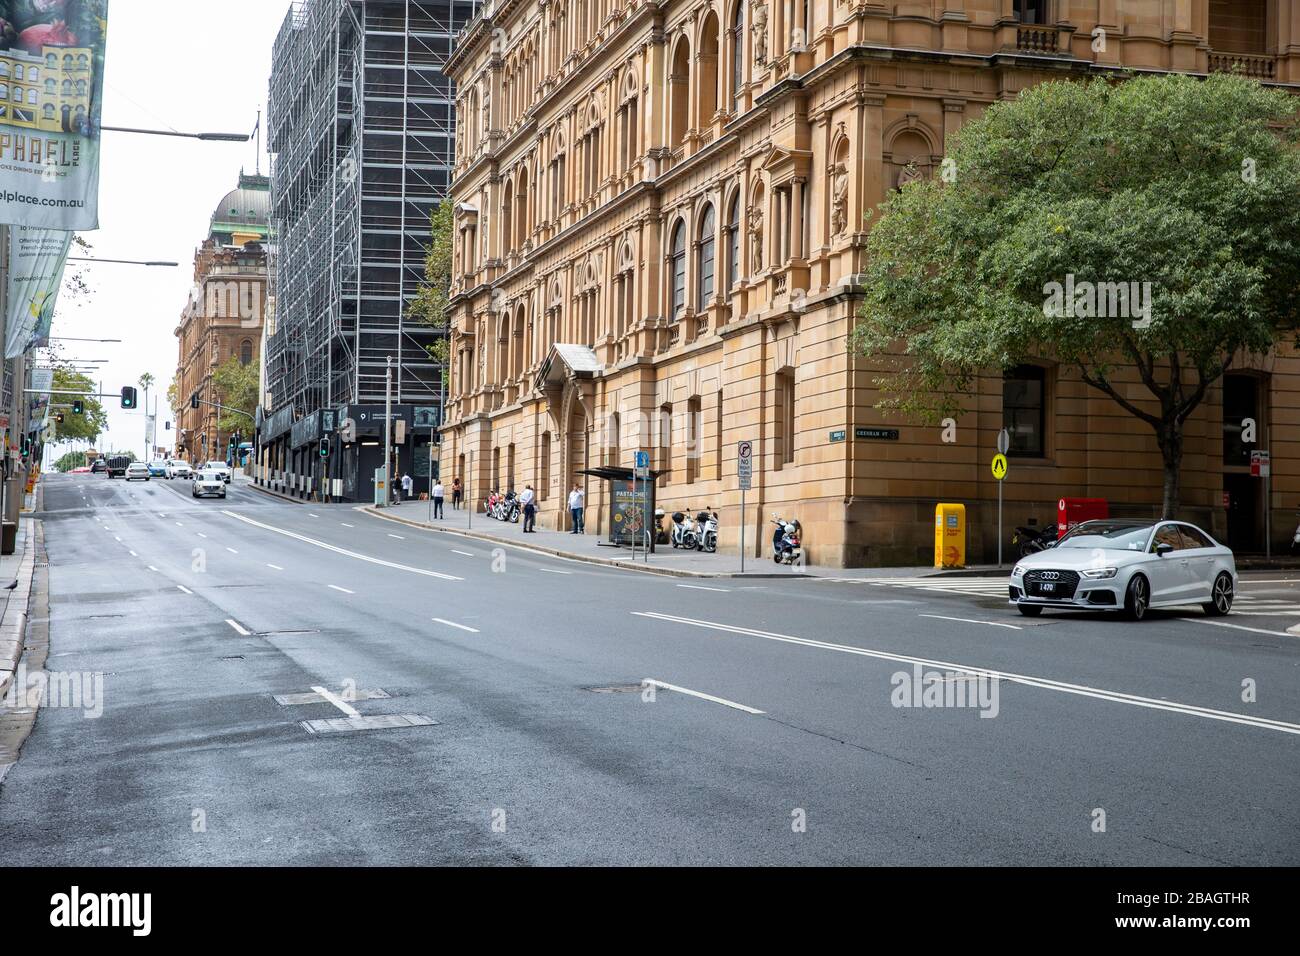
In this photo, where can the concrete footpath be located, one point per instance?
(16, 573)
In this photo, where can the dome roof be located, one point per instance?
(248, 205)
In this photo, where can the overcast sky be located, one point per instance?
(188, 65)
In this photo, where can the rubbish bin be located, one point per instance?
(949, 535)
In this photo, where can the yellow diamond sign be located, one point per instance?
(999, 467)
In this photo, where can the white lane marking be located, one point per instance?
(971, 620)
(232, 550)
(343, 551)
(152, 568)
(554, 571)
(310, 515)
(202, 535)
(337, 701)
(275, 566)
(238, 627)
(184, 588)
(133, 554)
(1042, 683)
(695, 693)
(179, 525)
(346, 525)
(1237, 627)
(472, 630)
(1254, 581)
(344, 590)
(397, 536)
(701, 587)
(468, 554)
(117, 539)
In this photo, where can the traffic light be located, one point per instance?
(78, 407)
(324, 447)
(58, 418)
(128, 396)
(194, 400)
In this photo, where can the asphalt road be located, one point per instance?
(543, 747)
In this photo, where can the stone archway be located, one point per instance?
(577, 450)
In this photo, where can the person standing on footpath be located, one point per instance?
(527, 499)
(456, 493)
(576, 508)
(438, 493)
(408, 487)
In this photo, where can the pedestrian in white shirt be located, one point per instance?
(437, 494)
(527, 499)
(408, 486)
(576, 508)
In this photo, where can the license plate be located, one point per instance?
(1047, 586)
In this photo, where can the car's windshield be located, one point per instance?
(1119, 535)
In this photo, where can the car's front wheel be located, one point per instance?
(1137, 598)
(1220, 596)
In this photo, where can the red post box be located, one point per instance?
(1070, 511)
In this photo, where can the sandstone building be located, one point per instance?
(660, 210)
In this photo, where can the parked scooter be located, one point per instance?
(786, 548)
(684, 532)
(510, 509)
(1295, 540)
(1032, 540)
(707, 524)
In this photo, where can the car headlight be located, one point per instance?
(1100, 573)
(1018, 571)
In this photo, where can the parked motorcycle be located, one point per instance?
(707, 523)
(1295, 540)
(510, 509)
(1030, 540)
(786, 548)
(684, 532)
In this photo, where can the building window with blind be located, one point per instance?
(706, 258)
(677, 269)
(1024, 410)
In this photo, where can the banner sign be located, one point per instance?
(51, 92)
(42, 380)
(36, 261)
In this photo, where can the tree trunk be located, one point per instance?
(1169, 436)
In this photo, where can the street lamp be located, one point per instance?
(65, 338)
(124, 262)
(206, 137)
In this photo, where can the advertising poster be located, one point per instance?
(628, 499)
(51, 86)
(36, 261)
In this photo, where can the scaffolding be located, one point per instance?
(361, 122)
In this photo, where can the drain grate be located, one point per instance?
(340, 725)
(617, 689)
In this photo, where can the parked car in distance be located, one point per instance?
(83, 470)
(137, 469)
(208, 482)
(1127, 565)
(117, 465)
(221, 468)
(158, 468)
(98, 465)
(179, 469)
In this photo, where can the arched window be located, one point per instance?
(678, 269)
(34, 74)
(4, 68)
(245, 352)
(705, 260)
(51, 87)
(19, 72)
(679, 82)
(507, 209)
(738, 55)
(4, 92)
(49, 111)
(52, 61)
(31, 97)
(1031, 11)
(81, 87)
(709, 74)
(733, 242)
(18, 94)
(67, 87)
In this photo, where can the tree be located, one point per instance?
(1189, 185)
(71, 460)
(432, 302)
(87, 426)
(146, 381)
(235, 385)
(173, 396)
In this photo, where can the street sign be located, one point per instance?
(999, 467)
(643, 465)
(745, 464)
(1260, 466)
(1004, 441)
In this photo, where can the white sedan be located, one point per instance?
(1128, 565)
(137, 470)
(208, 483)
(179, 469)
(221, 468)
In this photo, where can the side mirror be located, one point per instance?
(1163, 548)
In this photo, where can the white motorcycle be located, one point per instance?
(684, 532)
(707, 522)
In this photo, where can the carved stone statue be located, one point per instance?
(758, 17)
(839, 199)
(911, 173)
(756, 238)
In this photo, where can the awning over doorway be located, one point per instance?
(565, 360)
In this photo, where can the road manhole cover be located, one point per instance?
(616, 689)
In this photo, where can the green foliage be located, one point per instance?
(1187, 184)
(235, 385)
(85, 427)
(431, 303)
(71, 460)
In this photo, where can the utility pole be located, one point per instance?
(388, 432)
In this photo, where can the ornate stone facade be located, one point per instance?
(682, 191)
